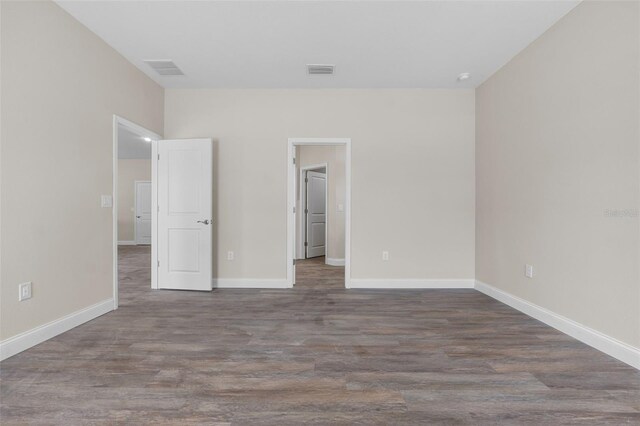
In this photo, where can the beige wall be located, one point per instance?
(61, 86)
(412, 174)
(334, 157)
(557, 146)
(129, 171)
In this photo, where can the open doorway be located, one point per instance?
(319, 197)
(132, 209)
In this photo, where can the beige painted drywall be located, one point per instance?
(334, 157)
(61, 86)
(129, 171)
(412, 174)
(557, 152)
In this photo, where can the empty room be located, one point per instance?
(320, 212)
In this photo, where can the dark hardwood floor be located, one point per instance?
(314, 354)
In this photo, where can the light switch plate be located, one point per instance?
(340, 207)
(24, 291)
(107, 201)
(385, 255)
(528, 271)
(230, 255)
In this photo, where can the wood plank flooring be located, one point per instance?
(315, 354)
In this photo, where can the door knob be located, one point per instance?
(138, 217)
(206, 221)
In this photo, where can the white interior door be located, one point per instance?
(185, 214)
(143, 212)
(316, 213)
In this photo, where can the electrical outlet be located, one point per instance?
(230, 255)
(528, 271)
(385, 255)
(24, 291)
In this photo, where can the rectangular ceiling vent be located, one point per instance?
(320, 69)
(164, 67)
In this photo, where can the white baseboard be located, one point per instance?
(126, 243)
(16, 344)
(334, 262)
(399, 284)
(250, 283)
(613, 347)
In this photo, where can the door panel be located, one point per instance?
(143, 212)
(316, 213)
(184, 214)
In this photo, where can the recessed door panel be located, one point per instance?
(184, 250)
(185, 170)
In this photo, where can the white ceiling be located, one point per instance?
(267, 44)
(132, 146)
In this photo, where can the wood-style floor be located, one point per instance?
(315, 354)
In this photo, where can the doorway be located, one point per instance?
(133, 169)
(319, 200)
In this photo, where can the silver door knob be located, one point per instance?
(138, 217)
(206, 221)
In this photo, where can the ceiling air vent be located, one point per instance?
(164, 67)
(320, 69)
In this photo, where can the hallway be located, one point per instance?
(314, 274)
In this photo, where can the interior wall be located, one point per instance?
(558, 174)
(334, 157)
(412, 174)
(60, 85)
(129, 171)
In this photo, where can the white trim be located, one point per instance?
(135, 209)
(139, 130)
(291, 217)
(127, 243)
(400, 284)
(301, 252)
(23, 341)
(154, 214)
(249, 283)
(610, 346)
(333, 262)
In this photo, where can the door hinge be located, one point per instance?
(158, 263)
(306, 180)
(294, 209)
(294, 160)
(158, 157)
(306, 243)
(306, 211)
(294, 262)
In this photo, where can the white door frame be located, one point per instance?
(119, 121)
(291, 202)
(135, 208)
(303, 220)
